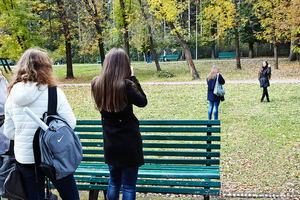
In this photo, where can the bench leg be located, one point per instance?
(206, 197)
(93, 194)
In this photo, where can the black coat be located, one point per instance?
(264, 79)
(210, 89)
(121, 134)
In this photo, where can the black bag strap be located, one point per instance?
(52, 110)
(52, 100)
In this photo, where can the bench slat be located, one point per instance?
(158, 129)
(160, 137)
(163, 161)
(157, 173)
(156, 189)
(147, 182)
(162, 145)
(163, 153)
(158, 122)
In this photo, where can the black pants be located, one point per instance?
(265, 93)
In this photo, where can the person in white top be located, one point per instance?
(4, 141)
(29, 88)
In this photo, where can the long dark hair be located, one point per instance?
(262, 69)
(108, 88)
(34, 66)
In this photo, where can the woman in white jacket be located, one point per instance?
(30, 88)
(4, 142)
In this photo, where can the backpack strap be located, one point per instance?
(52, 100)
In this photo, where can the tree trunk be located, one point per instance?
(276, 55)
(237, 49)
(213, 47)
(251, 55)
(213, 44)
(96, 19)
(292, 56)
(151, 38)
(125, 24)
(237, 42)
(67, 36)
(186, 50)
(69, 60)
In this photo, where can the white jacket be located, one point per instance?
(4, 142)
(19, 126)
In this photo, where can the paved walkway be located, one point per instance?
(196, 83)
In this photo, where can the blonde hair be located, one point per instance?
(213, 73)
(34, 66)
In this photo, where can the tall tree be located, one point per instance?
(125, 25)
(273, 20)
(150, 34)
(225, 14)
(170, 10)
(67, 36)
(98, 17)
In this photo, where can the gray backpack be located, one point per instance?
(58, 150)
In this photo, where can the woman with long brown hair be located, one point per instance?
(29, 88)
(264, 75)
(214, 100)
(115, 91)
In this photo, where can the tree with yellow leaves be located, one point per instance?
(273, 17)
(170, 11)
(223, 13)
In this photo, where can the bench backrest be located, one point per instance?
(172, 56)
(186, 142)
(227, 54)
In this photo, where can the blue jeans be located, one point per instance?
(122, 176)
(149, 59)
(66, 186)
(213, 107)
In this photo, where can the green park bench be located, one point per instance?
(99, 61)
(181, 157)
(227, 55)
(169, 57)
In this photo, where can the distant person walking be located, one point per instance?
(149, 56)
(115, 91)
(264, 75)
(165, 55)
(213, 99)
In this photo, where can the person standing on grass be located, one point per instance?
(213, 99)
(29, 88)
(264, 75)
(115, 91)
(149, 56)
(165, 55)
(4, 141)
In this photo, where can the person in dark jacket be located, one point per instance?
(264, 75)
(213, 99)
(115, 91)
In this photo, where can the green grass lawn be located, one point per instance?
(260, 141)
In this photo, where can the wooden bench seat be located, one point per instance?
(181, 157)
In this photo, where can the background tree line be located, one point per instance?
(82, 31)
